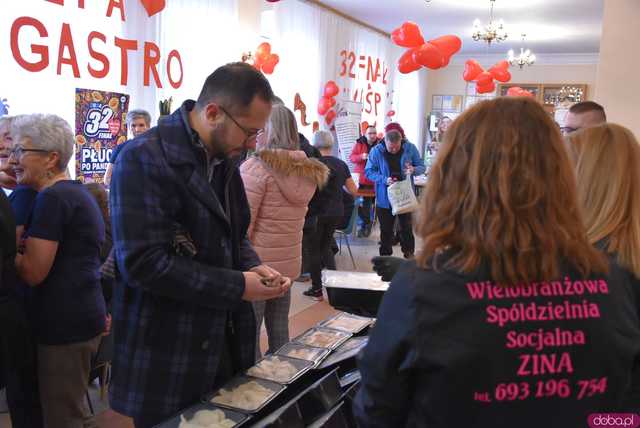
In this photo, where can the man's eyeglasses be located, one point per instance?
(18, 151)
(249, 134)
(566, 130)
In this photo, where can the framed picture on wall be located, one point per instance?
(436, 102)
(452, 103)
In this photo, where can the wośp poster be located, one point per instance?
(100, 126)
(347, 126)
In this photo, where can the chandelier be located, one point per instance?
(525, 57)
(492, 32)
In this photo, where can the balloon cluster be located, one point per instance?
(473, 71)
(432, 54)
(328, 101)
(517, 91)
(264, 60)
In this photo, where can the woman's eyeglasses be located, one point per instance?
(18, 151)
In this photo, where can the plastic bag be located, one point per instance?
(401, 197)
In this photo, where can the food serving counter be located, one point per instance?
(309, 382)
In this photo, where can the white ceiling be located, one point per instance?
(552, 26)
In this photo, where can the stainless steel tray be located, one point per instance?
(315, 355)
(307, 337)
(301, 365)
(234, 383)
(238, 418)
(342, 320)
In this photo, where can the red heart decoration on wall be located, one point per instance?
(408, 35)
(153, 6)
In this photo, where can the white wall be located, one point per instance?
(618, 87)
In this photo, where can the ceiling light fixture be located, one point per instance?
(492, 32)
(525, 57)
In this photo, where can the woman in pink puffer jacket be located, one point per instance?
(280, 181)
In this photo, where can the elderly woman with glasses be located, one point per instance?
(60, 260)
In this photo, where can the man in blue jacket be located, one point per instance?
(392, 161)
(183, 321)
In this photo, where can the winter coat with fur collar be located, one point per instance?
(279, 186)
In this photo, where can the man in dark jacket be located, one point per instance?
(184, 325)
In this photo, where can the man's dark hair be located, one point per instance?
(587, 106)
(234, 86)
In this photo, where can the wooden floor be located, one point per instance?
(304, 314)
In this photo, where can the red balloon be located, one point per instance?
(500, 74)
(485, 89)
(363, 127)
(429, 56)
(484, 78)
(504, 64)
(517, 91)
(472, 69)
(324, 104)
(448, 45)
(329, 118)
(391, 113)
(331, 89)
(408, 35)
(406, 63)
(270, 63)
(258, 63)
(263, 51)
(513, 91)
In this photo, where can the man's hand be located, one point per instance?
(271, 284)
(386, 266)
(390, 181)
(409, 170)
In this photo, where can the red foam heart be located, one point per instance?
(331, 89)
(391, 113)
(429, 56)
(153, 6)
(406, 63)
(472, 69)
(408, 35)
